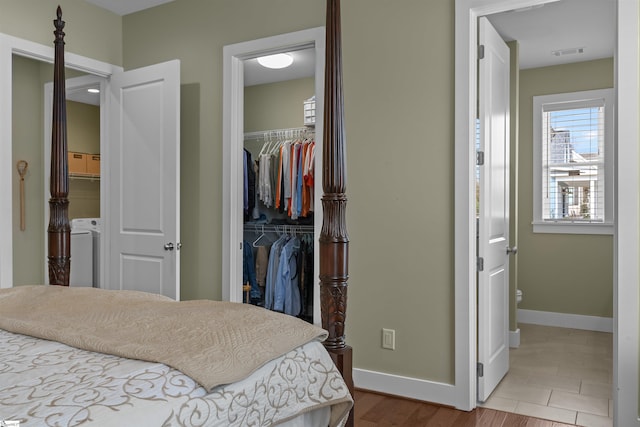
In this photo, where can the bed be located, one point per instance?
(88, 356)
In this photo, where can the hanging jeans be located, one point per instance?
(249, 272)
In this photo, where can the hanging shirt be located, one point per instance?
(245, 193)
(272, 271)
(249, 272)
(287, 292)
(309, 172)
(262, 265)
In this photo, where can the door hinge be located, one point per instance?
(480, 262)
(480, 158)
(481, 51)
(480, 370)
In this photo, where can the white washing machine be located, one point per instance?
(85, 252)
(81, 258)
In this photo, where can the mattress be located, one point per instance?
(46, 383)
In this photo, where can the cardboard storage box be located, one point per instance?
(77, 162)
(93, 164)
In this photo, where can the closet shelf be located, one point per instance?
(264, 135)
(279, 228)
(84, 177)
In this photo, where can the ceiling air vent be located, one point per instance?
(570, 51)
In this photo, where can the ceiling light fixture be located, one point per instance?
(93, 90)
(277, 61)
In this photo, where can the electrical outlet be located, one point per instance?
(389, 338)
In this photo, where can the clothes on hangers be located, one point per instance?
(289, 276)
(284, 177)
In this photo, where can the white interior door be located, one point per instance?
(143, 189)
(493, 232)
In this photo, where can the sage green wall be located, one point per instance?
(27, 143)
(399, 91)
(560, 272)
(90, 30)
(276, 105)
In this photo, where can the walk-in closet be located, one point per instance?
(275, 180)
(278, 209)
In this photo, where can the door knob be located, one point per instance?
(512, 250)
(168, 246)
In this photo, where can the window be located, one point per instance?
(573, 162)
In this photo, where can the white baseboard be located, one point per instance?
(563, 320)
(413, 388)
(514, 338)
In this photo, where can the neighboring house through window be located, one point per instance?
(573, 162)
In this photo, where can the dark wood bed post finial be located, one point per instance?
(334, 240)
(59, 232)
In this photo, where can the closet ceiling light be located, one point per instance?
(92, 90)
(277, 61)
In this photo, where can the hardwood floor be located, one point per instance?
(373, 409)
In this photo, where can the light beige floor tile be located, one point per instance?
(578, 402)
(560, 365)
(540, 411)
(591, 374)
(515, 377)
(523, 392)
(556, 382)
(589, 388)
(590, 420)
(500, 404)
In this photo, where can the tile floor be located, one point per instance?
(559, 374)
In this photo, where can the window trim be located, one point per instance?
(573, 100)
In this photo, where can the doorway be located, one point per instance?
(144, 215)
(466, 15)
(239, 62)
(86, 114)
(25, 51)
(549, 274)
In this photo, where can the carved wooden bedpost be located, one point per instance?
(59, 232)
(334, 240)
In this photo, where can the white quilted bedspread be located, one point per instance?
(45, 383)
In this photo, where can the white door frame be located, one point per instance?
(626, 244)
(233, 137)
(10, 46)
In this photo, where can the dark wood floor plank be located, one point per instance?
(467, 419)
(537, 422)
(515, 420)
(490, 418)
(423, 413)
(392, 410)
(380, 410)
(444, 417)
(366, 401)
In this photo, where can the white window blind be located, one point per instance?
(573, 164)
(573, 146)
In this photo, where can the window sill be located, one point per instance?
(562, 227)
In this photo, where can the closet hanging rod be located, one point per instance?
(280, 133)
